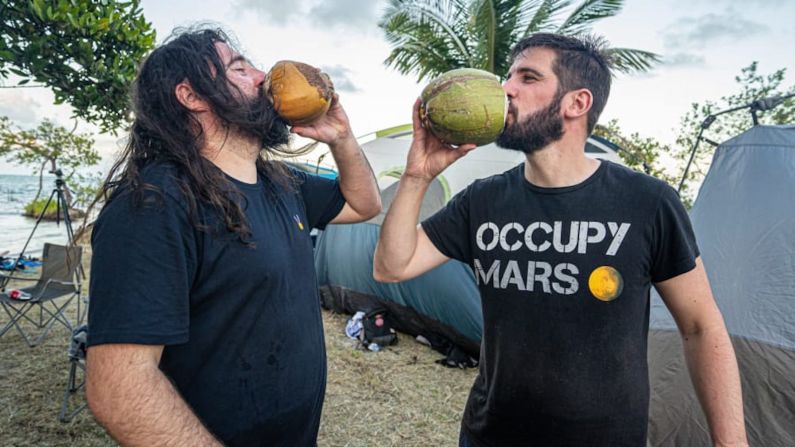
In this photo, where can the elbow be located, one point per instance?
(381, 276)
(381, 272)
(366, 211)
(375, 207)
(385, 278)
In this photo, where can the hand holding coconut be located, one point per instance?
(464, 107)
(428, 155)
(304, 97)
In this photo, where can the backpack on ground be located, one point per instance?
(377, 329)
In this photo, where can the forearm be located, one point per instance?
(716, 379)
(144, 409)
(398, 239)
(357, 181)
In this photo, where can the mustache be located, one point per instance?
(511, 109)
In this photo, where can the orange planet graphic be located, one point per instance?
(606, 283)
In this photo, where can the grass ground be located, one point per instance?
(396, 397)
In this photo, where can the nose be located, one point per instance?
(259, 77)
(508, 88)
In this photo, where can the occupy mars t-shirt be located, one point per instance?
(564, 276)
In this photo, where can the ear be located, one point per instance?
(189, 99)
(577, 103)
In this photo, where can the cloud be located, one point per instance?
(275, 11)
(744, 3)
(709, 29)
(340, 76)
(682, 60)
(19, 107)
(354, 15)
(350, 14)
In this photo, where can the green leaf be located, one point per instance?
(17, 71)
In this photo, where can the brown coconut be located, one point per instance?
(300, 92)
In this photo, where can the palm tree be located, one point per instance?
(430, 37)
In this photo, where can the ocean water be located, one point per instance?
(15, 192)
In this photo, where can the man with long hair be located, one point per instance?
(564, 249)
(205, 325)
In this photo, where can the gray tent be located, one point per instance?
(744, 220)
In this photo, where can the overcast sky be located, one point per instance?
(705, 44)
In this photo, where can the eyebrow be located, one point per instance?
(237, 58)
(532, 71)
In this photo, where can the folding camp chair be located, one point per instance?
(58, 282)
(77, 368)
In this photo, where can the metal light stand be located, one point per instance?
(61, 205)
(760, 105)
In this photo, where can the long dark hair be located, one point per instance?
(164, 130)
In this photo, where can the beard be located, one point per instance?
(536, 131)
(259, 119)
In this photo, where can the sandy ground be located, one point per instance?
(396, 397)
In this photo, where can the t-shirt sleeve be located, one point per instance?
(142, 268)
(448, 228)
(323, 198)
(675, 249)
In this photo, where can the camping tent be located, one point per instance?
(444, 304)
(744, 222)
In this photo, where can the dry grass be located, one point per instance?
(397, 396)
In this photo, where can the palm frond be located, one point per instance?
(418, 46)
(484, 24)
(429, 37)
(628, 60)
(588, 12)
(543, 17)
(436, 14)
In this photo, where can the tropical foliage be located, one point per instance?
(429, 37)
(85, 51)
(752, 86)
(667, 162)
(46, 148)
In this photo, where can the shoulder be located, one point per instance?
(159, 187)
(635, 182)
(156, 181)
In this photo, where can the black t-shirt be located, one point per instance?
(564, 276)
(241, 326)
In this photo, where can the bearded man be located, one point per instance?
(564, 249)
(205, 325)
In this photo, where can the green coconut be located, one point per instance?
(465, 105)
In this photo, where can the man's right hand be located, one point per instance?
(429, 156)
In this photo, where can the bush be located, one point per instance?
(34, 208)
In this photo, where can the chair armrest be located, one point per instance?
(47, 284)
(55, 281)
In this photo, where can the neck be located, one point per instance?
(232, 153)
(560, 164)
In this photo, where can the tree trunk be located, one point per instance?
(41, 181)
